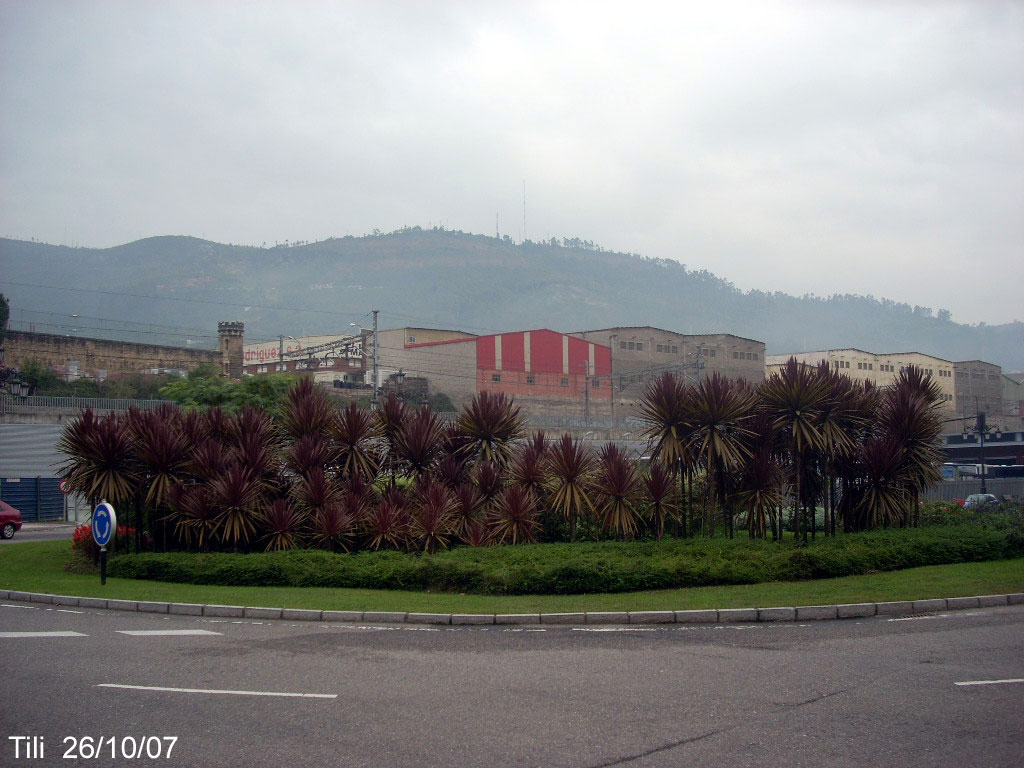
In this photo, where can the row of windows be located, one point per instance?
(865, 366)
(638, 345)
(742, 355)
(496, 377)
(672, 350)
(842, 364)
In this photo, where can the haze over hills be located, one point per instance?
(447, 279)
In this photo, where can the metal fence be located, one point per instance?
(961, 489)
(11, 402)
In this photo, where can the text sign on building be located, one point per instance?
(317, 347)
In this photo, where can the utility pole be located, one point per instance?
(586, 393)
(376, 358)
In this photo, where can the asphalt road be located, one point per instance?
(41, 532)
(871, 692)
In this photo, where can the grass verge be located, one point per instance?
(40, 567)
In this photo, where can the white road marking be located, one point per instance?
(165, 632)
(992, 682)
(30, 607)
(231, 693)
(922, 618)
(614, 629)
(41, 634)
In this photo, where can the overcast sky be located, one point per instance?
(808, 147)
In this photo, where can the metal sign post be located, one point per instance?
(104, 525)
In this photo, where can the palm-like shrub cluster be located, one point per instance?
(344, 479)
(806, 436)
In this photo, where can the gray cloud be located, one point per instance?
(805, 147)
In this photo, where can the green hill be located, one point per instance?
(453, 280)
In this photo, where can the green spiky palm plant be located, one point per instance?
(616, 486)
(307, 410)
(493, 423)
(719, 413)
(433, 516)
(282, 524)
(793, 399)
(355, 433)
(570, 469)
(513, 518)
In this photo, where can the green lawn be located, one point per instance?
(40, 567)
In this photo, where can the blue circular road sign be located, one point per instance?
(104, 523)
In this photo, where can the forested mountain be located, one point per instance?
(447, 279)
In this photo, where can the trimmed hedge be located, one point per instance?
(584, 567)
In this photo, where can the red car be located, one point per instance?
(10, 520)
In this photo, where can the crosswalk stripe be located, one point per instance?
(165, 632)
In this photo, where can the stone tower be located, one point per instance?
(231, 340)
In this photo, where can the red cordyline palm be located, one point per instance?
(493, 423)
(489, 478)
(194, 426)
(616, 486)
(910, 416)
(570, 467)
(418, 444)
(386, 525)
(307, 410)
(162, 453)
(477, 534)
(761, 480)
(195, 514)
(315, 491)
(659, 483)
(391, 417)
(513, 517)
(355, 433)
(433, 516)
(528, 469)
(237, 496)
(308, 453)
(208, 460)
(451, 470)
(282, 524)
(469, 506)
(842, 421)
(101, 461)
(665, 414)
(793, 399)
(880, 494)
(719, 412)
(336, 525)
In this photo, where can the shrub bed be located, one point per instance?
(584, 567)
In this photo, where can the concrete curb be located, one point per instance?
(702, 616)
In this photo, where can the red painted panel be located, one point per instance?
(545, 351)
(485, 352)
(513, 357)
(579, 356)
(602, 360)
